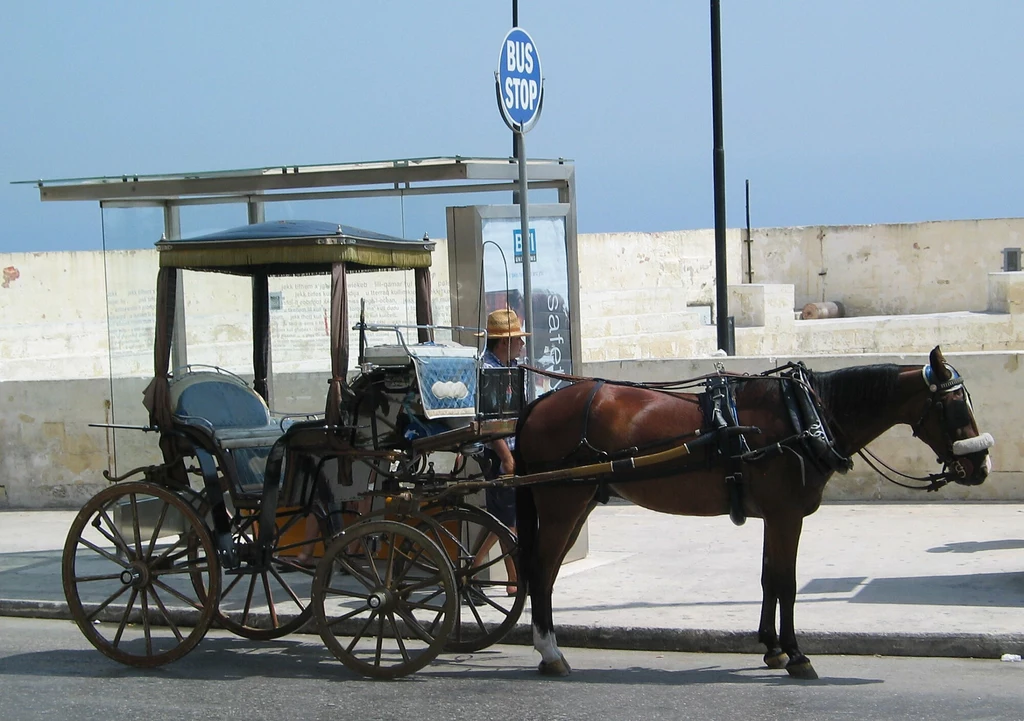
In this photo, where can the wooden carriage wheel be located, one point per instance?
(268, 598)
(486, 613)
(384, 598)
(127, 571)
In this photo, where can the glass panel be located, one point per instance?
(218, 321)
(382, 215)
(390, 296)
(301, 326)
(130, 270)
(199, 220)
(218, 307)
(503, 286)
(300, 342)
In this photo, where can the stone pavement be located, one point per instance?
(925, 579)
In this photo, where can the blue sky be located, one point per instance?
(838, 111)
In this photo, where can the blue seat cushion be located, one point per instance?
(224, 404)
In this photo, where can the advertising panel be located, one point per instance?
(503, 286)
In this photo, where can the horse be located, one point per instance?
(782, 482)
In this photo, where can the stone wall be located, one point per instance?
(50, 457)
(78, 328)
(896, 269)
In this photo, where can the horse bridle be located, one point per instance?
(956, 417)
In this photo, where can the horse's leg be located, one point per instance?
(783, 539)
(560, 515)
(766, 634)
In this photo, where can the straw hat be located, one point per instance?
(504, 324)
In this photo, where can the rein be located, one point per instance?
(935, 480)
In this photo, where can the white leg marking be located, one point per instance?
(988, 464)
(546, 646)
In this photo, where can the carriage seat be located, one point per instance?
(236, 418)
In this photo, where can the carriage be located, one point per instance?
(238, 526)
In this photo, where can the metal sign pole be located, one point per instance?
(515, 135)
(524, 224)
(519, 86)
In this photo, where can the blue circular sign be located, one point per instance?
(520, 86)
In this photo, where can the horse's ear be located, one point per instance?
(938, 363)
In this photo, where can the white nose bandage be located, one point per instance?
(973, 445)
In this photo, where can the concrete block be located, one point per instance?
(758, 305)
(1006, 293)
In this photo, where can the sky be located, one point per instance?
(837, 111)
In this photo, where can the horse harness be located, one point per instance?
(812, 441)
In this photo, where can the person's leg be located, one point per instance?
(311, 534)
(500, 503)
(510, 568)
(485, 547)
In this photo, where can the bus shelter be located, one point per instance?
(212, 321)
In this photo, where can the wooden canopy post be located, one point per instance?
(339, 342)
(424, 312)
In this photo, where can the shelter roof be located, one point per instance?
(135, 188)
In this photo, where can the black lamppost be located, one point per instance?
(725, 337)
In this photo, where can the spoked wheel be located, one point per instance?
(384, 599)
(486, 611)
(128, 571)
(269, 597)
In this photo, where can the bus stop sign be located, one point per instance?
(519, 83)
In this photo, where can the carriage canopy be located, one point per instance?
(285, 247)
(294, 247)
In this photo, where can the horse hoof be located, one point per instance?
(776, 659)
(802, 670)
(555, 668)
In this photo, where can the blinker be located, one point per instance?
(955, 380)
(958, 415)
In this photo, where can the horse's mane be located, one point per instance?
(856, 389)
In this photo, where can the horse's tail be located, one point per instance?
(526, 511)
(526, 530)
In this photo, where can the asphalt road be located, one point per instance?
(49, 671)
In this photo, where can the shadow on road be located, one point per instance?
(1009, 544)
(228, 659)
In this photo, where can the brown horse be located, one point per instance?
(594, 420)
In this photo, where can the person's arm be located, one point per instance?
(508, 463)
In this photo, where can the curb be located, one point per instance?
(949, 645)
(626, 638)
(35, 609)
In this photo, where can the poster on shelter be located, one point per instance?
(549, 275)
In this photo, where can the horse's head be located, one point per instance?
(948, 426)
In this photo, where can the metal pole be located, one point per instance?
(722, 294)
(256, 213)
(750, 241)
(515, 144)
(524, 229)
(179, 347)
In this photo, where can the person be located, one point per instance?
(505, 343)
